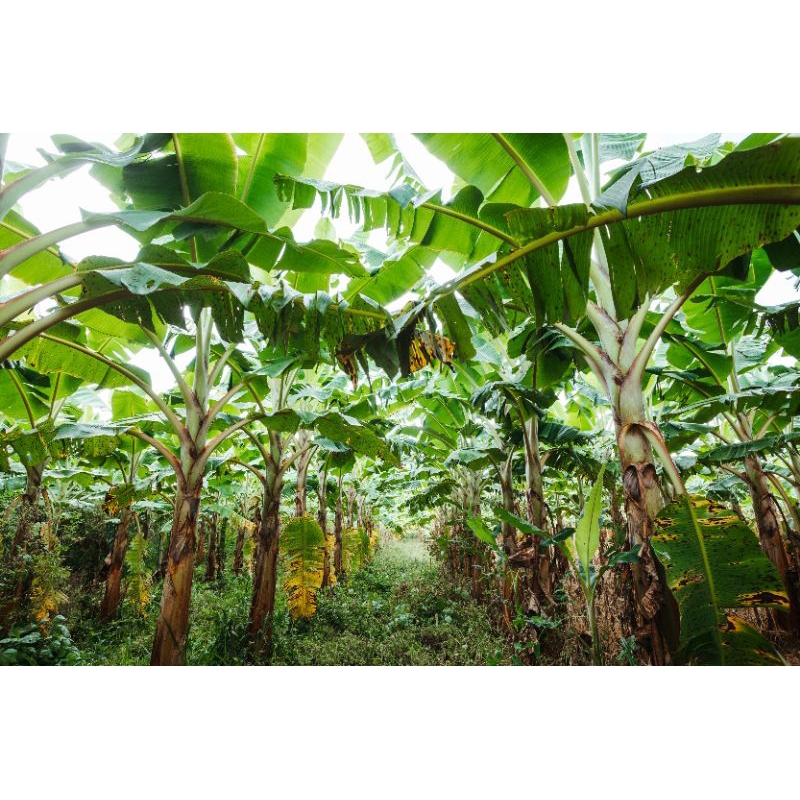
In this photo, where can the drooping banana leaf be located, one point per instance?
(692, 224)
(54, 354)
(784, 324)
(714, 566)
(302, 543)
(36, 446)
(506, 167)
(464, 228)
(738, 450)
(330, 548)
(655, 166)
(355, 548)
(360, 438)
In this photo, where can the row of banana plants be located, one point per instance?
(632, 313)
(608, 280)
(217, 292)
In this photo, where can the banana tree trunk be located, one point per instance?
(265, 572)
(238, 551)
(478, 557)
(28, 513)
(116, 558)
(221, 552)
(211, 558)
(655, 605)
(509, 543)
(769, 534)
(615, 509)
(301, 492)
(534, 489)
(337, 536)
(201, 542)
(454, 550)
(169, 646)
(322, 519)
(536, 512)
(351, 499)
(164, 557)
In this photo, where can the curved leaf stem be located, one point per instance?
(592, 354)
(177, 425)
(525, 168)
(12, 373)
(265, 454)
(15, 255)
(771, 194)
(220, 364)
(658, 444)
(12, 308)
(577, 168)
(736, 472)
(637, 369)
(786, 499)
(257, 472)
(218, 440)
(163, 449)
(217, 407)
(185, 390)
(476, 223)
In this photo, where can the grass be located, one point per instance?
(399, 610)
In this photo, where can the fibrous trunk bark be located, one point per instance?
(655, 605)
(238, 551)
(337, 536)
(301, 492)
(769, 533)
(221, 553)
(265, 572)
(115, 560)
(322, 519)
(169, 646)
(536, 511)
(351, 499)
(201, 542)
(162, 564)
(211, 558)
(28, 513)
(509, 543)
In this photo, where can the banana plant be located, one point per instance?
(289, 442)
(718, 369)
(38, 398)
(119, 501)
(599, 266)
(22, 244)
(222, 208)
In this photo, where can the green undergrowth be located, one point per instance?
(217, 633)
(399, 610)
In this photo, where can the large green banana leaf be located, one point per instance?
(714, 566)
